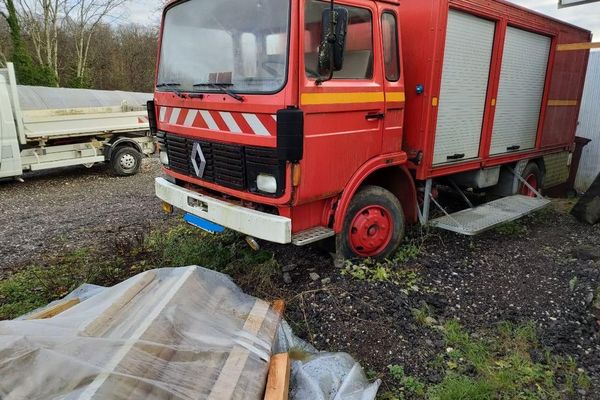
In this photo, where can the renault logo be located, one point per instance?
(198, 160)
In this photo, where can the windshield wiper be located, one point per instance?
(174, 88)
(222, 87)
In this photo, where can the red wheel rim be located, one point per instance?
(371, 231)
(533, 182)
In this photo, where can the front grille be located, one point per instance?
(228, 165)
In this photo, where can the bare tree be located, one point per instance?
(4, 40)
(84, 18)
(41, 19)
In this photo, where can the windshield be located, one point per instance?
(240, 45)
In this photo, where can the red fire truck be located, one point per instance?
(294, 121)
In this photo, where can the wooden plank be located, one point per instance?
(578, 46)
(55, 309)
(101, 323)
(278, 380)
(234, 365)
(279, 307)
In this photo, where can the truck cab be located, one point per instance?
(265, 130)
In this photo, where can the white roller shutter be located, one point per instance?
(465, 75)
(522, 80)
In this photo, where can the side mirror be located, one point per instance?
(333, 40)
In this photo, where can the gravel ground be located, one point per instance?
(547, 275)
(62, 209)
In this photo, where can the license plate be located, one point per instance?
(203, 224)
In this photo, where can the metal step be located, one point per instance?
(476, 220)
(312, 235)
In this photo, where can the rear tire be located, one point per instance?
(373, 225)
(125, 161)
(533, 175)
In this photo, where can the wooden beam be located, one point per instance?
(578, 46)
(278, 380)
(55, 309)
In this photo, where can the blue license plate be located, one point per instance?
(203, 224)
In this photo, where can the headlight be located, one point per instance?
(266, 183)
(164, 158)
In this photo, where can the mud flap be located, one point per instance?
(587, 208)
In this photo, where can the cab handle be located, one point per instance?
(374, 116)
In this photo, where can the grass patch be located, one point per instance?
(36, 285)
(500, 366)
(182, 245)
(513, 228)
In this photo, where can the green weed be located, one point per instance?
(372, 271)
(423, 315)
(409, 384)
(407, 252)
(514, 228)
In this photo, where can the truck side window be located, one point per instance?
(391, 61)
(358, 55)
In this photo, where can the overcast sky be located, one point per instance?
(586, 16)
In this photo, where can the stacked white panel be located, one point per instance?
(467, 58)
(522, 82)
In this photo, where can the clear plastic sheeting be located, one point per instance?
(323, 376)
(185, 333)
(49, 98)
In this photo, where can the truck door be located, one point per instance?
(344, 116)
(393, 80)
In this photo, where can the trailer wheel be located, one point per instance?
(125, 161)
(373, 225)
(533, 176)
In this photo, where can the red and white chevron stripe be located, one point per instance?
(232, 122)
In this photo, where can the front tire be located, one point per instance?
(373, 226)
(126, 161)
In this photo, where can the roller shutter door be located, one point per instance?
(465, 76)
(522, 80)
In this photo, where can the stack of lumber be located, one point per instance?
(186, 333)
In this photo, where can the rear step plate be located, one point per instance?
(476, 220)
(312, 235)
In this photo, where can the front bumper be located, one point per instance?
(250, 222)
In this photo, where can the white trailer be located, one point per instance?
(43, 128)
